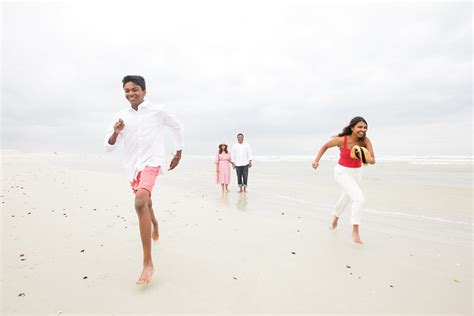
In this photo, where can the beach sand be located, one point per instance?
(70, 240)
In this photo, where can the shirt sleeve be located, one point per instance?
(176, 128)
(110, 131)
(249, 152)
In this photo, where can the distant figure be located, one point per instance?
(242, 157)
(355, 148)
(141, 127)
(223, 162)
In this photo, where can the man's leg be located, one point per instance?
(245, 175)
(156, 232)
(239, 176)
(142, 197)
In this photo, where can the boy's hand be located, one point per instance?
(175, 161)
(118, 127)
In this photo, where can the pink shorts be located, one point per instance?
(145, 179)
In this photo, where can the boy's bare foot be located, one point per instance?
(146, 276)
(155, 234)
(334, 223)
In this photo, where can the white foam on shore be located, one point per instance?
(418, 217)
(388, 213)
(430, 160)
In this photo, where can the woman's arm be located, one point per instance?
(370, 148)
(337, 141)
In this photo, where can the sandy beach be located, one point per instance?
(70, 240)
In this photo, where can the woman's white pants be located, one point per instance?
(349, 180)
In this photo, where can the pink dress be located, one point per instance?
(223, 165)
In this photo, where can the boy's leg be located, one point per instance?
(156, 232)
(142, 197)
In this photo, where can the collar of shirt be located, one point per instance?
(144, 104)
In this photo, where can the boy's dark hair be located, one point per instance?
(240, 134)
(138, 80)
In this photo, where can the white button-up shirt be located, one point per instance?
(143, 136)
(241, 154)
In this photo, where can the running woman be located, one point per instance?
(348, 171)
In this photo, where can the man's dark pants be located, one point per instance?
(242, 175)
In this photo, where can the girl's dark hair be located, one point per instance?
(346, 131)
(138, 80)
(221, 150)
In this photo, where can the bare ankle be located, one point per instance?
(148, 263)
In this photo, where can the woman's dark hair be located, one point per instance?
(138, 80)
(346, 131)
(221, 150)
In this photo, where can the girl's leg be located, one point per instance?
(355, 234)
(349, 181)
(341, 205)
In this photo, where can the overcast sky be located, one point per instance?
(288, 74)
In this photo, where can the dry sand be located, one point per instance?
(70, 240)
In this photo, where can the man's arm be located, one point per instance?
(250, 155)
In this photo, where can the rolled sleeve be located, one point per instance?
(176, 129)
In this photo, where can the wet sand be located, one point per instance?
(70, 240)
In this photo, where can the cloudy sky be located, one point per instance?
(288, 74)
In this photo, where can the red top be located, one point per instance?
(345, 158)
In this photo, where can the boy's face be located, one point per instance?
(134, 93)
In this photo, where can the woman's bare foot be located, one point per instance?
(155, 234)
(334, 223)
(355, 235)
(146, 276)
(356, 239)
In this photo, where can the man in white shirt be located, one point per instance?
(242, 158)
(141, 129)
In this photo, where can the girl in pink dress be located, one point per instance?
(223, 162)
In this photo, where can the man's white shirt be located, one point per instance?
(241, 154)
(143, 136)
